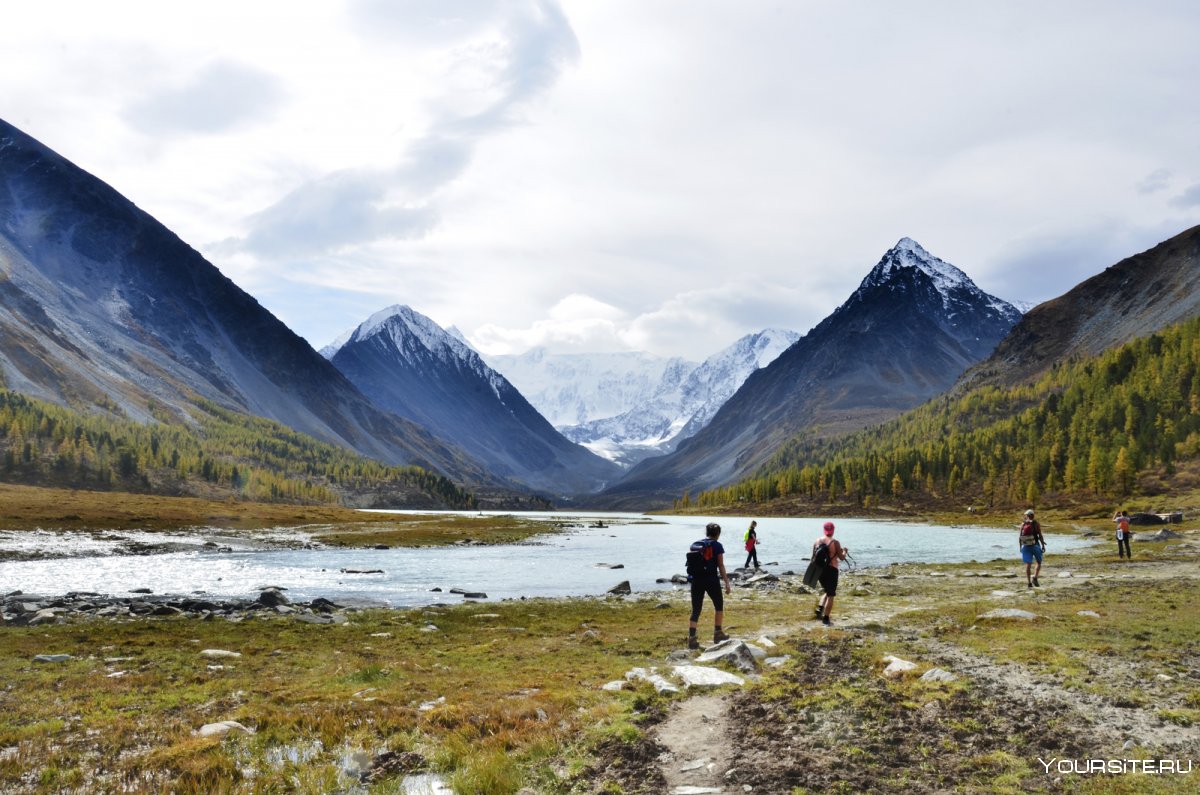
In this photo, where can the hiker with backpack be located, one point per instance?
(1033, 544)
(827, 556)
(751, 545)
(706, 572)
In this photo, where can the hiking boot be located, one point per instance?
(693, 642)
(825, 620)
(719, 636)
(1036, 584)
(818, 611)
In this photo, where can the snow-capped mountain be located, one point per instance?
(102, 308)
(914, 324)
(572, 389)
(680, 407)
(408, 365)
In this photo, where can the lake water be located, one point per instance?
(568, 563)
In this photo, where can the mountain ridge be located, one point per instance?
(408, 365)
(902, 337)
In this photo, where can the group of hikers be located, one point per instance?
(707, 575)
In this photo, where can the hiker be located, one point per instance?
(1033, 544)
(829, 574)
(1122, 520)
(706, 572)
(751, 546)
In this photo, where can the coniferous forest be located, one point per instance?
(1119, 426)
(223, 454)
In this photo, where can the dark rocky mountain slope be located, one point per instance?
(1134, 298)
(408, 365)
(913, 326)
(104, 308)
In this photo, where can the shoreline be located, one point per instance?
(417, 684)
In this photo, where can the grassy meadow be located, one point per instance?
(506, 697)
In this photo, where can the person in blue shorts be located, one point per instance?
(1033, 544)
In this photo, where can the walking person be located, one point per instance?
(751, 545)
(1122, 520)
(1033, 544)
(706, 573)
(828, 578)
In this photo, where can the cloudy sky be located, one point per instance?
(621, 174)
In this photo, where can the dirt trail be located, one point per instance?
(696, 739)
(702, 734)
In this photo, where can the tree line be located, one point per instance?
(220, 452)
(1086, 428)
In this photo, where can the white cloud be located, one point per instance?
(667, 176)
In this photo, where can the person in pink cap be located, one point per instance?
(829, 576)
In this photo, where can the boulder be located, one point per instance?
(52, 658)
(621, 589)
(273, 597)
(220, 654)
(1023, 615)
(221, 728)
(660, 684)
(938, 675)
(1162, 535)
(704, 676)
(733, 651)
(897, 667)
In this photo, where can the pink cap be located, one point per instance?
(829, 528)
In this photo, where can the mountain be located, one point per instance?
(914, 325)
(571, 389)
(103, 308)
(408, 365)
(680, 407)
(1134, 298)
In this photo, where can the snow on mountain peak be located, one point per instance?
(908, 253)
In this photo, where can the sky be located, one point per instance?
(606, 175)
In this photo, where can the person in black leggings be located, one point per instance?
(751, 546)
(706, 577)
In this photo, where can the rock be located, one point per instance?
(938, 675)
(428, 705)
(273, 597)
(1024, 615)
(47, 616)
(766, 642)
(1003, 594)
(1161, 535)
(695, 765)
(897, 667)
(361, 571)
(381, 546)
(220, 654)
(679, 579)
(733, 651)
(610, 565)
(321, 605)
(141, 590)
(474, 595)
(660, 684)
(704, 676)
(775, 662)
(621, 589)
(52, 658)
(1088, 614)
(613, 686)
(761, 578)
(221, 728)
